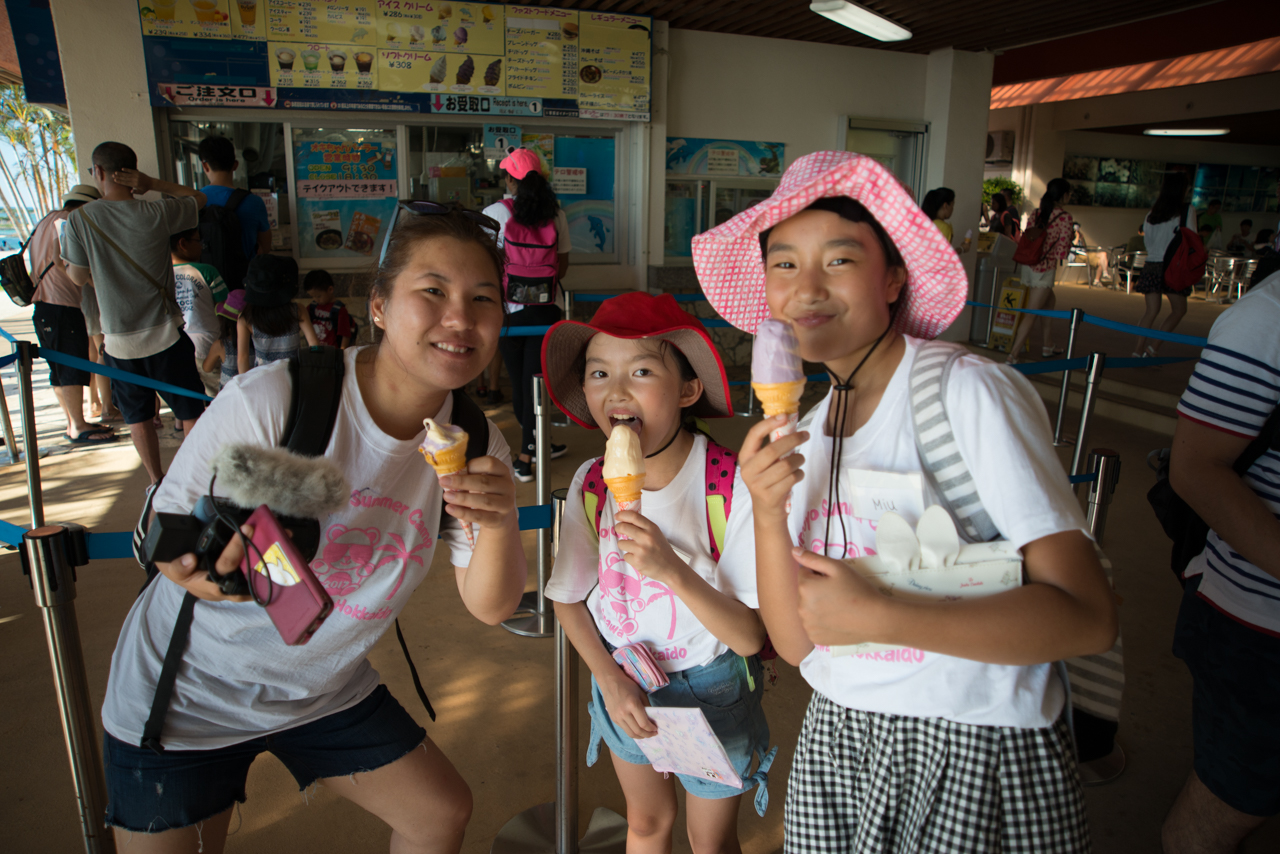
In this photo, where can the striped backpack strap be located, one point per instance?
(722, 464)
(593, 493)
(936, 442)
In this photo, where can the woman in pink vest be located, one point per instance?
(534, 236)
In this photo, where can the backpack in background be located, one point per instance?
(1185, 259)
(1031, 249)
(222, 241)
(15, 279)
(533, 263)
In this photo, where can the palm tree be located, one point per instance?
(40, 162)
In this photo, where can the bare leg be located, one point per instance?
(1177, 311)
(71, 399)
(100, 386)
(1148, 318)
(147, 444)
(208, 836)
(713, 824)
(1044, 321)
(421, 795)
(651, 807)
(1036, 299)
(1201, 823)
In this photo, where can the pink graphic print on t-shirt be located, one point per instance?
(625, 596)
(350, 556)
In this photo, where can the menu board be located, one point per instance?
(202, 19)
(542, 49)
(613, 60)
(249, 19)
(441, 27)
(546, 61)
(415, 71)
(352, 22)
(321, 66)
(347, 191)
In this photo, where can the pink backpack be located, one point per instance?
(532, 263)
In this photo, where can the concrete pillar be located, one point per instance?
(657, 186)
(956, 103)
(100, 47)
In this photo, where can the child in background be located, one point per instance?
(199, 288)
(956, 737)
(223, 351)
(671, 576)
(271, 325)
(329, 316)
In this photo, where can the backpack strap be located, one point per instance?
(936, 444)
(236, 198)
(722, 464)
(317, 376)
(593, 494)
(316, 395)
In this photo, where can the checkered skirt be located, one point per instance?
(863, 782)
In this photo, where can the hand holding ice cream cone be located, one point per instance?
(445, 448)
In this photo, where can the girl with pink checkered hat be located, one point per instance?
(950, 730)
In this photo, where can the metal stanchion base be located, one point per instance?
(534, 832)
(1065, 443)
(530, 625)
(528, 603)
(14, 459)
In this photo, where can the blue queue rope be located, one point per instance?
(1142, 331)
(119, 544)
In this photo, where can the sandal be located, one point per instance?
(1046, 352)
(92, 437)
(1012, 360)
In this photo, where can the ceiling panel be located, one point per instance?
(934, 23)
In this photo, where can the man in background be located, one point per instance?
(1240, 244)
(119, 246)
(230, 208)
(59, 322)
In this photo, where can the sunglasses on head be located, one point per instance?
(425, 208)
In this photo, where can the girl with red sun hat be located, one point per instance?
(671, 583)
(952, 734)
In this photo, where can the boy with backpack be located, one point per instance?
(199, 288)
(333, 323)
(234, 226)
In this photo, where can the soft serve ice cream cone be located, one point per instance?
(445, 447)
(624, 467)
(777, 374)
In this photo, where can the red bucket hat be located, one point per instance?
(731, 271)
(632, 315)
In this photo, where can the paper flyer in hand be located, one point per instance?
(930, 564)
(685, 744)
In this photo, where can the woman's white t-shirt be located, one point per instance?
(1003, 433)
(501, 214)
(1158, 236)
(238, 680)
(628, 607)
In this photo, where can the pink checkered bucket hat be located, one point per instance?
(731, 270)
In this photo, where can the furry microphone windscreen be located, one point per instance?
(290, 484)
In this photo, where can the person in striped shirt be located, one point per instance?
(1228, 629)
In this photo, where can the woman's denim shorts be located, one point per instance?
(728, 690)
(149, 792)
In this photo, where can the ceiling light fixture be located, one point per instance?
(862, 19)
(1187, 131)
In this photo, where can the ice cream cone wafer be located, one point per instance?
(779, 398)
(625, 489)
(450, 460)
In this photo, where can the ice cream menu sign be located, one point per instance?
(593, 64)
(346, 191)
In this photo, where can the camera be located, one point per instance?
(205, 534)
